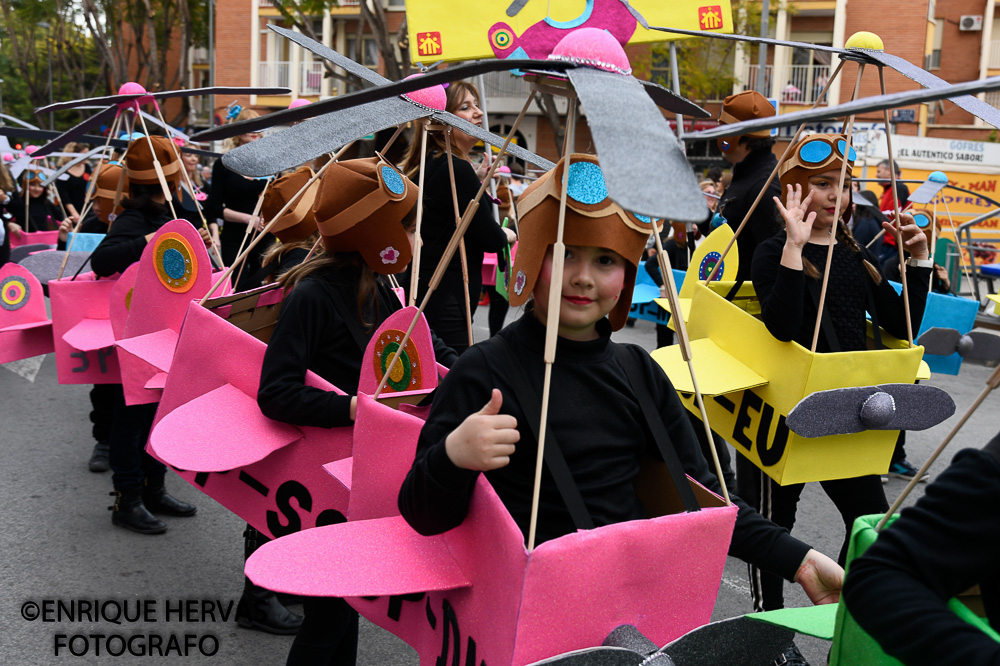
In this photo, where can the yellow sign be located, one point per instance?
(463, 30)
(751, 415)
(955, 208)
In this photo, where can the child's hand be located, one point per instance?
(65, 227)
(798, 219)
(485, 440)
(914, 239)
(820, 577)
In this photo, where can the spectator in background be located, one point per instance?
(866, 222)
(887, 249)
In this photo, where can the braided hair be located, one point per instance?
(844, 236)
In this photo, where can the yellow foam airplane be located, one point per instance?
(798, 415)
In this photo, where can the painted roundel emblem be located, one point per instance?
(708, 265)
(502, 39)
(14, 293)
(175, 262)
(406, 374)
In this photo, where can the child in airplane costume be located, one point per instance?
(334, 305)
(595, 419)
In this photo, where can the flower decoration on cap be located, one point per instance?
(390, 255)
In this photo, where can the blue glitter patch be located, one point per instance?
(646, 219)
(841, 145)
(815, 152)
(586, 183)
(174, 264)
(393, 181)
(921, 220)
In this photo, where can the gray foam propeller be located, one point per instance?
(855, 409)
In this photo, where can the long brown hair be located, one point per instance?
(366, 278)
(456, 94)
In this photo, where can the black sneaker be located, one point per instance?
(791, 657)
(905, 470)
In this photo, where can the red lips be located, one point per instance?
(579, 300)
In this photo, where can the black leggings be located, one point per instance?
(855, 497)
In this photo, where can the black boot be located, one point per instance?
(158, 500)
(259, 608)
(129, 512)
(99, 458)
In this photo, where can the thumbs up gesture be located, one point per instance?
(485, 439)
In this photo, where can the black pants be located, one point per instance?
(855, 497)
(130, 464)
(498, 309)
(329, 634)
(102, 401)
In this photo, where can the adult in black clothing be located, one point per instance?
(232, 200)
(753, 162)
(43, 215)
(138, 478)
(73, 190)
(945, 544)
(334, 305)
(594, 414)
(787, 271)
(446, 311)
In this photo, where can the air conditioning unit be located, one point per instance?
(971, 23)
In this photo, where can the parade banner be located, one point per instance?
(460, 30)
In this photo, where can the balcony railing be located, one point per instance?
(993, 99)
(273, 74)
(995, 54)
(311, 79)
(804, 82)
(504, 85)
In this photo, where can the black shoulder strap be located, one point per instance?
(873, 310)
(656, 428)
(530, 405)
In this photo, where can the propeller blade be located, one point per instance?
(846, 411)
(939, 341)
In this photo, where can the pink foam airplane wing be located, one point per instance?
(342, 470)
(379, 557)
(90, 335)
(173, 270)
(25, 328)
(88, 354)
(156, 348)
(120, 301)
(34, 238)
(286, 491)
(244, 435)
(385, 444)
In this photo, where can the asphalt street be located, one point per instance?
(58, 544)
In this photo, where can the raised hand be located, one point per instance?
(485, 440)
(798, 224)
(914, 239)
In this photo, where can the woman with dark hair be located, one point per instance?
(446, 310)
(232, 200)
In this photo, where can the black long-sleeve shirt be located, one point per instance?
(942, 546)
(788, 309)
(600, 429)
(125, 241)
(438, 225)
(312, 333)
(43, 215)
